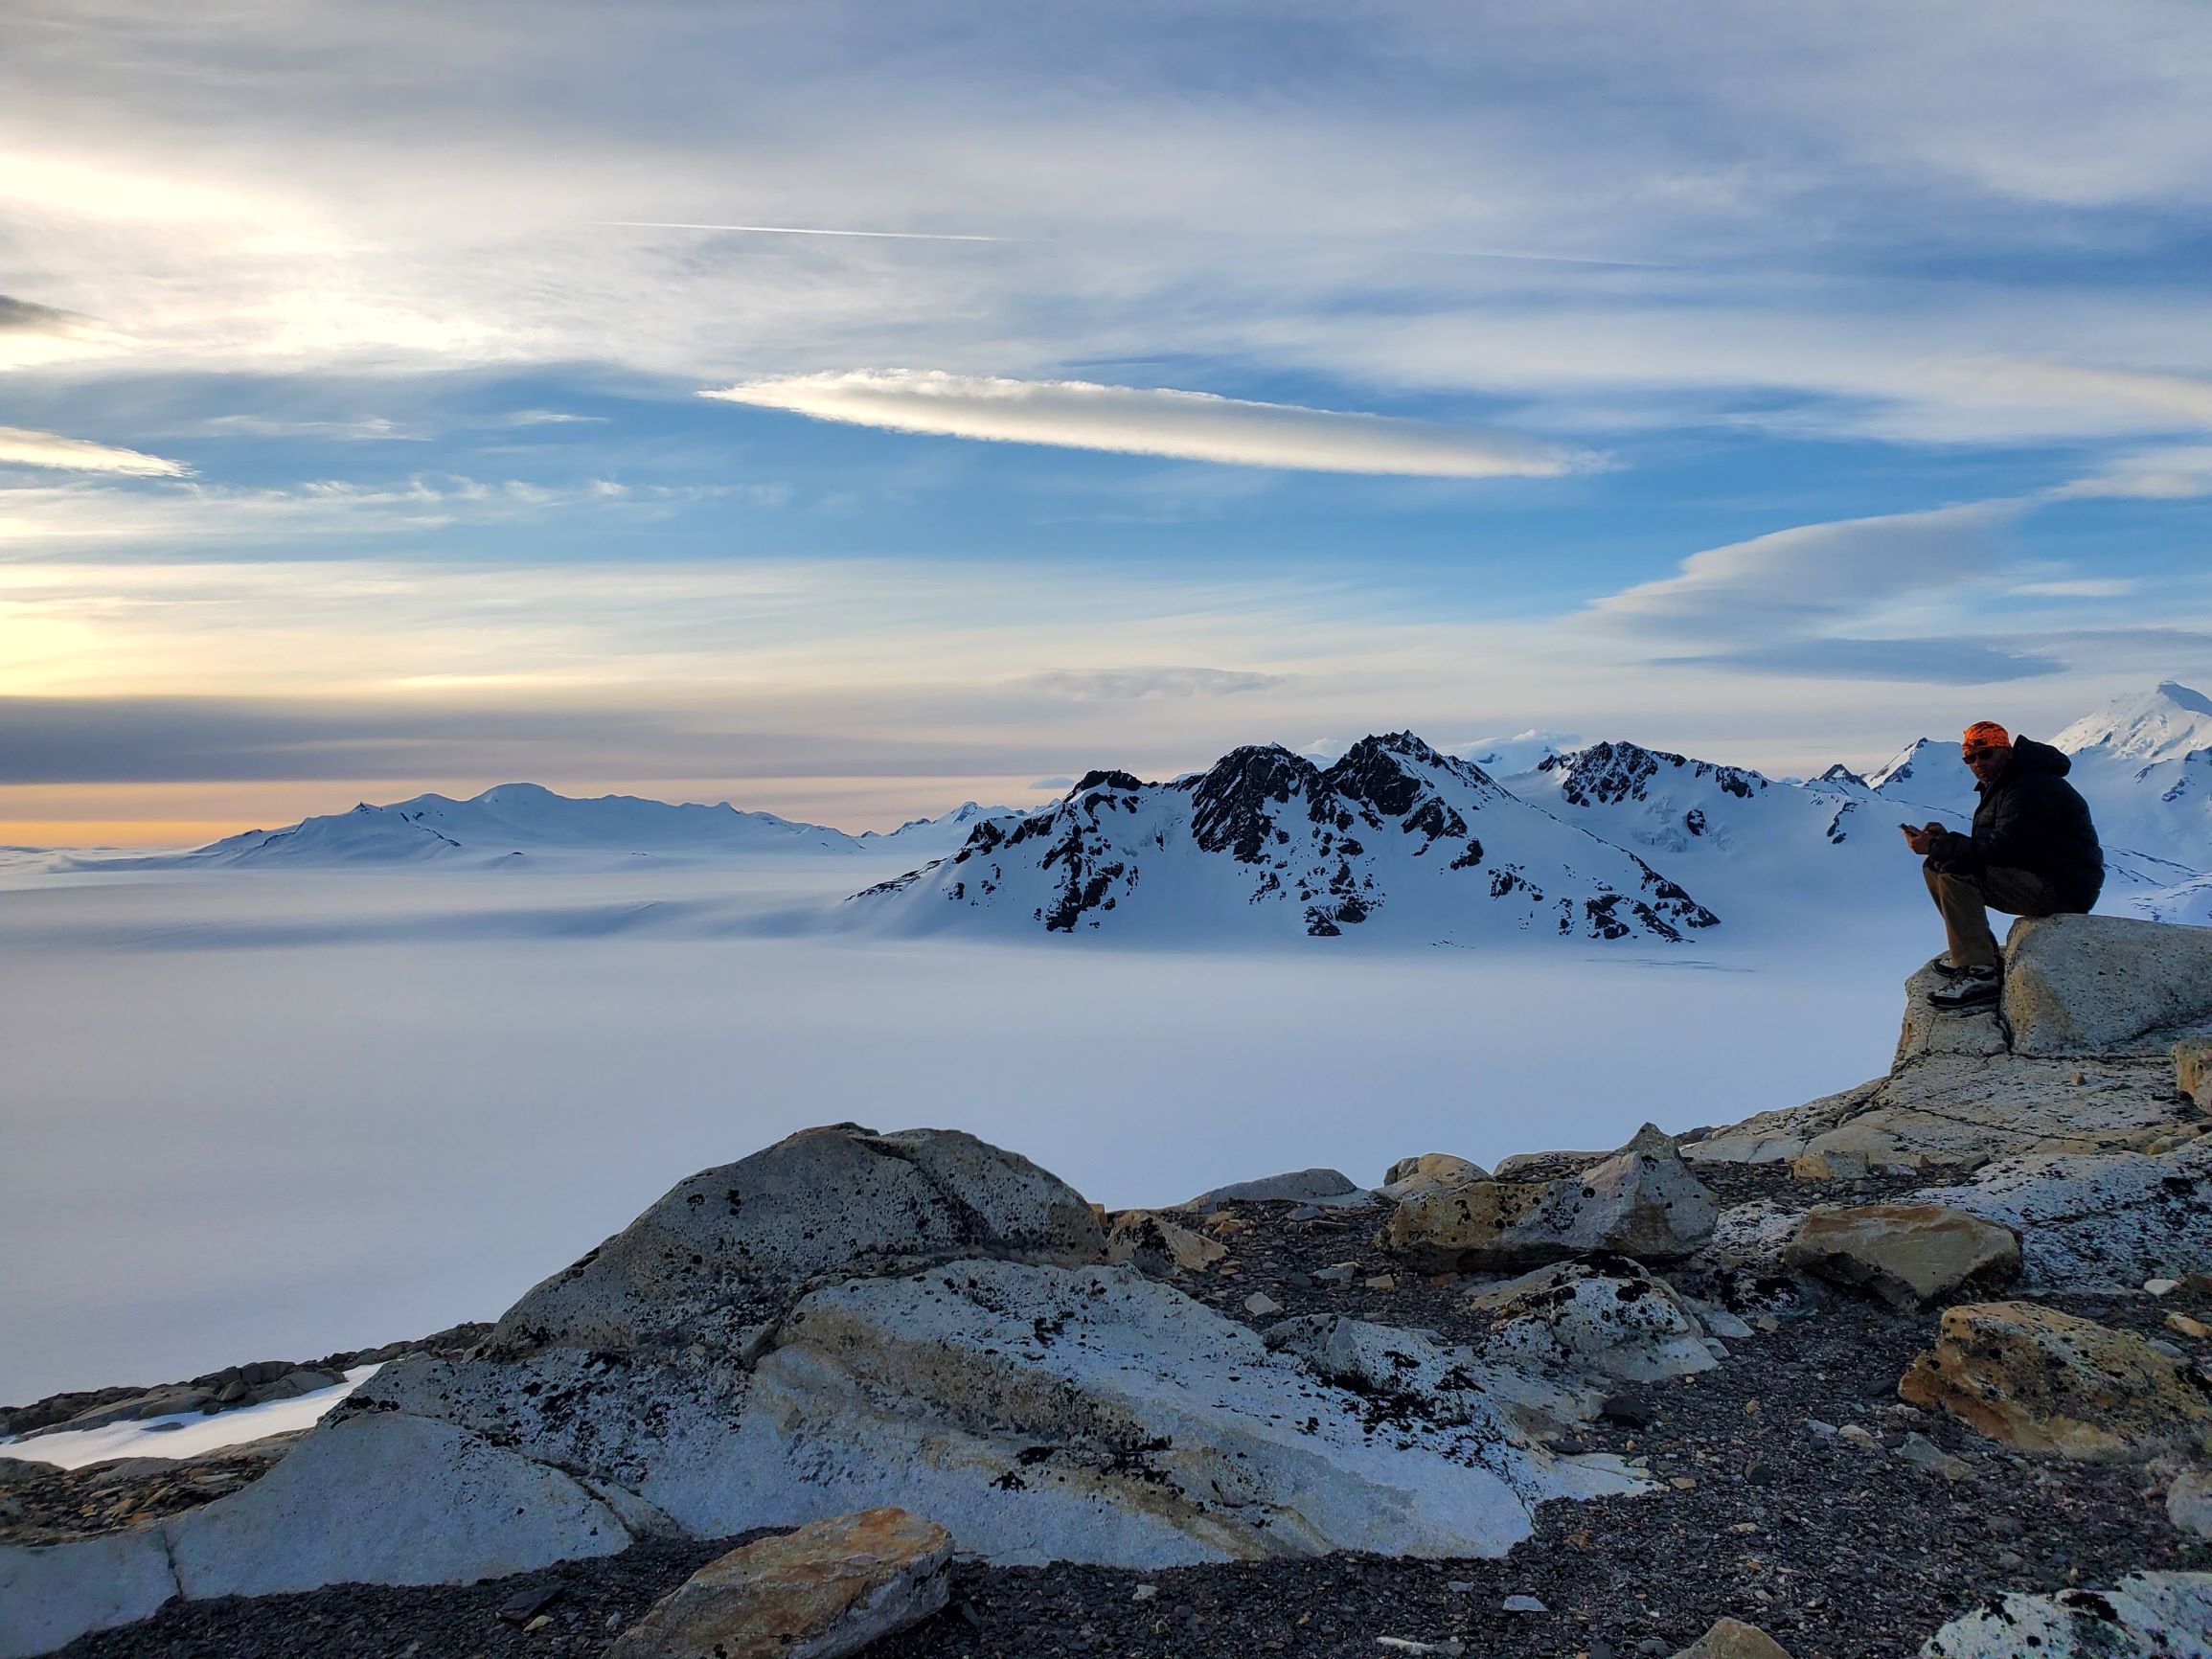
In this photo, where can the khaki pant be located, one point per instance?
(1963, 898)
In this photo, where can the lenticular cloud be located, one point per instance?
(1133, 420)
(20, 446)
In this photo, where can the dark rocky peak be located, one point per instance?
(1608, 774)
(1385, 773)
(1230, 803)
(1839, 773)
(1106, 780)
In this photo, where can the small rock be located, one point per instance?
(525, 1605)
(2189, 1502)
(1829, 1165)
(1407, 1644)
(1337, 1272)
(1306, 1212)
(2003, 1526)
(1853, 1435)
(1144, 1592)
(543, 1622)
(1683, 1483)
(2180, 1322)
(1261, 1306)
(829, 1588)
(1924, 1453)
(1719, 1322)
(1523, 1604)
(1762, 1475)
(1381, 1281)
(1628, 1410)
(2160, 1286)
(1300, 1281)
(1733, 1639)
(1819, 1430)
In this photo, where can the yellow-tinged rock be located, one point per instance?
(827, 1589)
(2180, 1322)
(2193, 1070)
(1733, 1639)
(1157, 1247)
(2046, 1382)
(1908, 1254)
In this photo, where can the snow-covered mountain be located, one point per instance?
(517, 820)
(1392, 839)
(1748, 845)
(933, 837)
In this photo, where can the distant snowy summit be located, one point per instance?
(516, 820)
(1393, 838)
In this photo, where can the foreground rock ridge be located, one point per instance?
(946, 1368)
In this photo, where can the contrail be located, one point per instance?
(801, 231)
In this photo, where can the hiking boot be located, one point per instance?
(1975, 987)
(1950, 969)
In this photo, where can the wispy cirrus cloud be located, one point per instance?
(1136, 420)
(1121, 685)
(21, 446)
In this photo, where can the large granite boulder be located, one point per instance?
(725, 1252)
(1641, 1202)
(2145, 1615)
(1332, 1189)
(1910, 1255)
(2090, 985)
(2082, 1060)
(2052, 1384)
(1428, 1172)
(2102, 1221)
(51, 1595)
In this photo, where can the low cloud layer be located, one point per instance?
(21, 446)
(1133, 420)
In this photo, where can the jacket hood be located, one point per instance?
(2030, 756)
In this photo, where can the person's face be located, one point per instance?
(1986, 764)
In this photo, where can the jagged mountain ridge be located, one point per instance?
(1393, 838)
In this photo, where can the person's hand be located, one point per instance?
(1923, 839)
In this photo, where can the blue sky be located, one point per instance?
(1775, 383)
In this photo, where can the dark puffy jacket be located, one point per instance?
(2031, 818)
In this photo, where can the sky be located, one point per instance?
(849, 409)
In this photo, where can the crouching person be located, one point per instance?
(2032, 852)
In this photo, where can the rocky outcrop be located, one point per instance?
(1910, 1255)
(1641, 1202)
(1612, 1319)
(821, 1592)
(2107, 1222)
(2050, 1382)
(723, 1254)
(2145, 1615)
(2189, 1502)
(2081, 1061)
(2193, 1071)
(52, 1596)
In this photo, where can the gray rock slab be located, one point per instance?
(2145, 1615)
(1094, 1414)
(1620, 1322)
(1330, 1187)
(2106, 1222)
(387, 1498)
(53, 1594)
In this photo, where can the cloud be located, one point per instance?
(1800, 579)
(2083, 587)
(2186, 398)
(1938, 661)
(1129, 421)
(1122, 685)
(1052, 782)
(2175, 473)
(20, 446)
(27, 316)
